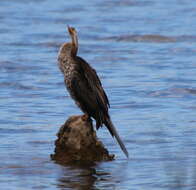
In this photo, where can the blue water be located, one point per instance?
(145, 54)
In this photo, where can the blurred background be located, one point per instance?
(144, 52)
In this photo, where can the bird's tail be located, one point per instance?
(114, 133)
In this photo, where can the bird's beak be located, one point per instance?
(71, 30)
(68, 28)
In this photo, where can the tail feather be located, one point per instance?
(114, 133)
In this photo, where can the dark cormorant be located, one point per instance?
(85, 86)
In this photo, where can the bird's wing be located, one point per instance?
(89, 92)
(93, 81)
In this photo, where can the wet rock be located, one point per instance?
(77, 142)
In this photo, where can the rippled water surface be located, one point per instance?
(145, 53)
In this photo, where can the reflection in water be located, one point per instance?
(93, 176)
(78, 178)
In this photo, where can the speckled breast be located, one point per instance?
(67, 68)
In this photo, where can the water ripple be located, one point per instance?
(151, 38)
(173, 92)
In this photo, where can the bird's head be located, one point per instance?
(70, 49)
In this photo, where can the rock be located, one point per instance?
(77, 142)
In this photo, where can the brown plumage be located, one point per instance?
(85, 86)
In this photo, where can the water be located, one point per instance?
(144, 52)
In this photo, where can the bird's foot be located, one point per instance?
(85, 117)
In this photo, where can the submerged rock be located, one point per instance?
(77, 142)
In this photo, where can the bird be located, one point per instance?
(85, 87)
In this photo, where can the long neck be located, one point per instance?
(74, 48)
